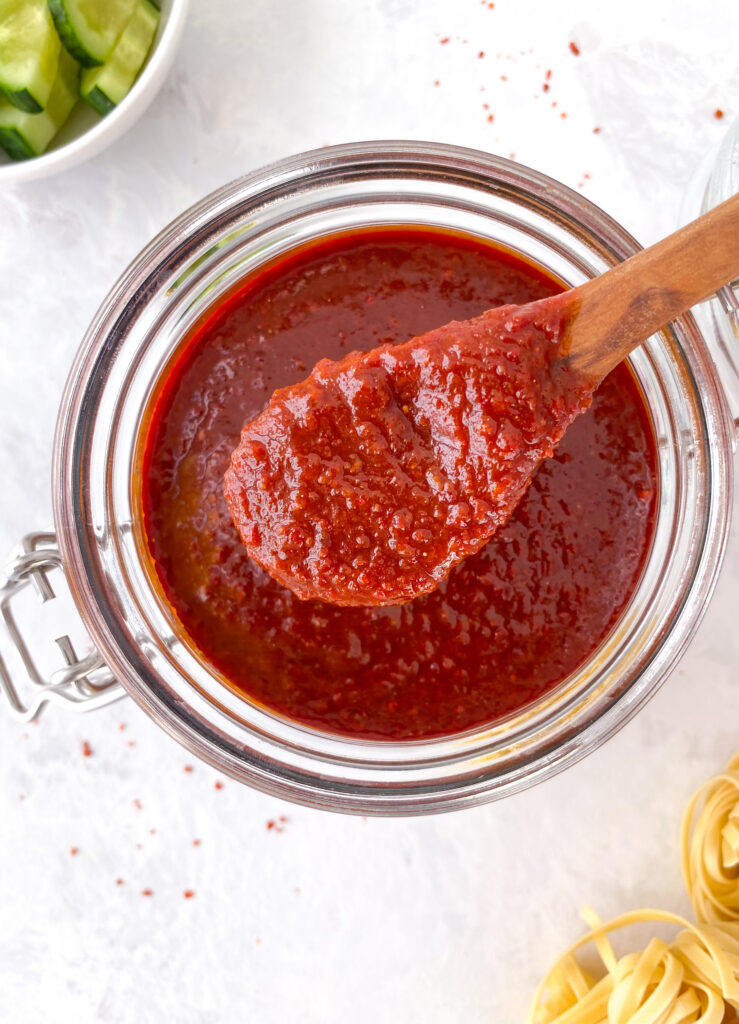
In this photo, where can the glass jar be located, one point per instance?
(99, 544)
(716, 180)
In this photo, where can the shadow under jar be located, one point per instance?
(131, 348)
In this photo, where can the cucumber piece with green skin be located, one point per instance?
(89, 29)
(105, 87)
(29, 53)
(25, 135)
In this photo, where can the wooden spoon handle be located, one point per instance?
(615, 312)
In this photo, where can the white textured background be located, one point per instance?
(331, 920)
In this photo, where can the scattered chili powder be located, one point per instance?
(718, 114)
(122, 727)
(504, 78)
(277, 825)
(444, 41)
(563, 114)
(188, 768)
(119, 881)
(188, 894)
(131, 743)
(136, 803)
(491, 117)
(481, 54)
(21, 796)
(196, 842)
(86, 749)
(548, 74)
(596, 131)
(218, 785)
(545, 87)
(152, 831)
(574, 48)
(74, 850)
(147, 892)
(437, 82)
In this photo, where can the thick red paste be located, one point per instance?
(367, 482)
(508, 624)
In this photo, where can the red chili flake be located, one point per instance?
(548, 74)
(545, 87)
(481, 54)
(444, 41)
(21, 796)
(437, 82)
(147, 892)
(196, 842)
(136, 803)
(587, 176)
(278, 825)
(122, 727)
(563, 114)
(596, 131)
(491, 118)
(188, 894)
(296, 890)
(218, 785)
(131, 743)
(554, 103)
(504, 78)
(86, 749)
(574, 48)
(283, 818)
(486, 106)
(718, 114)
(119, 881)
(74, 850)
(188, 768)
(152, 831)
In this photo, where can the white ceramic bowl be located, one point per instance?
(86, 133)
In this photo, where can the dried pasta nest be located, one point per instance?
(710, 847)
(692, 980)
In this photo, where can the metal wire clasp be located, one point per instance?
(80, 684)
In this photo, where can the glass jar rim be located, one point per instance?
(379, 787)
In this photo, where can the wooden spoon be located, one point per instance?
(366, 483)
(617, 311)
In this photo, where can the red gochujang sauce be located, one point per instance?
(509, 624)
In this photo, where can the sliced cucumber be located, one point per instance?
(29, 53)
(90, 28)
(25, 135)
(105, 87)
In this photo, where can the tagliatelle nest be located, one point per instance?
(692, 980)
(710, 847)
(695, 978)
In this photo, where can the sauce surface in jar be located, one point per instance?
(509, 624)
